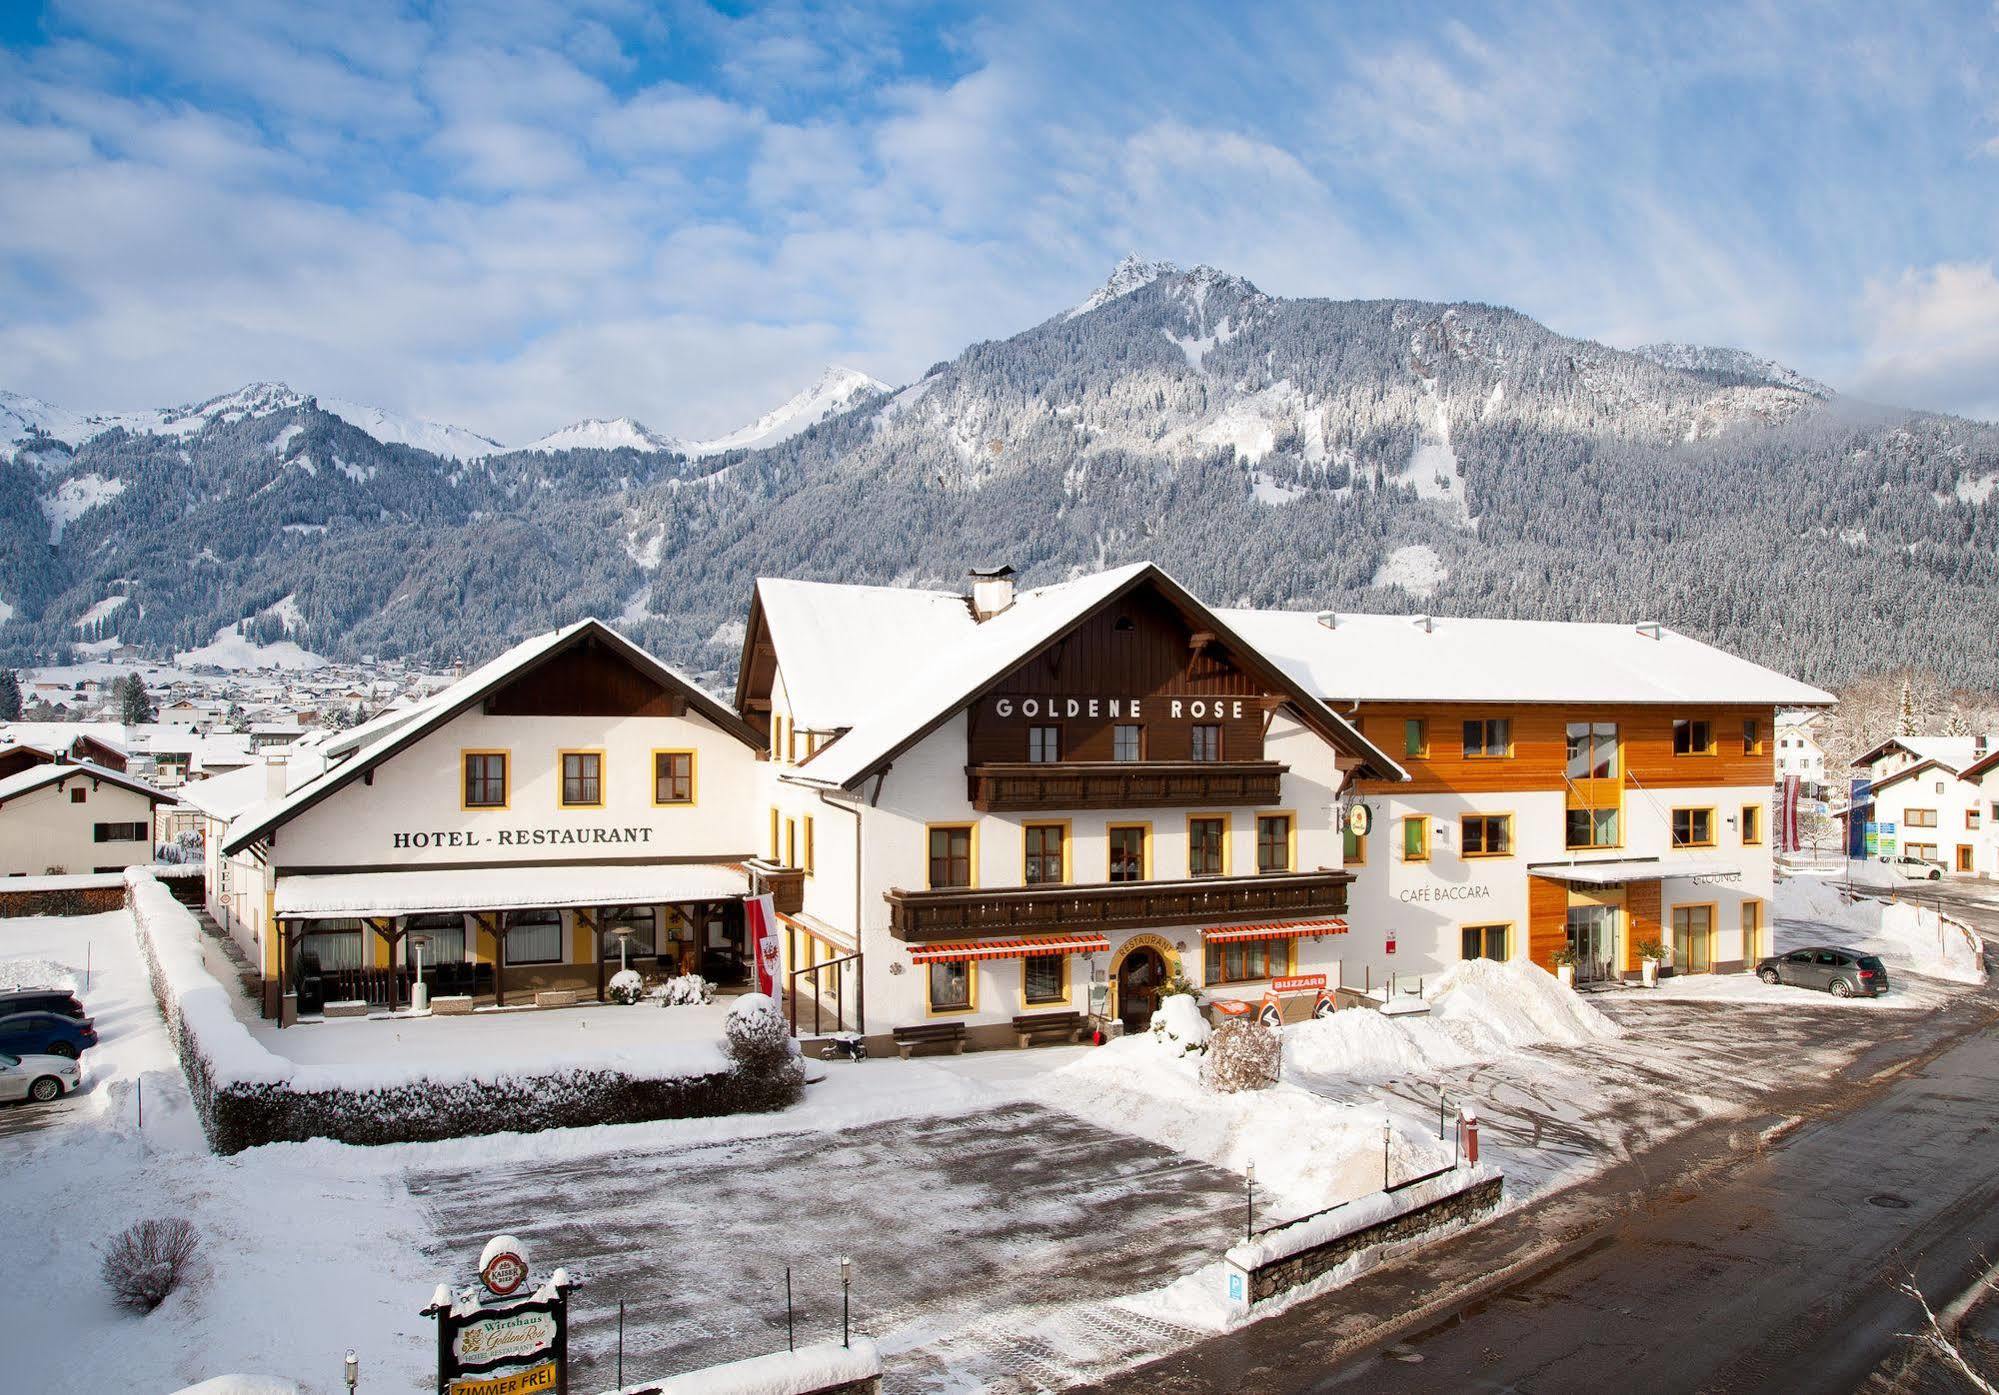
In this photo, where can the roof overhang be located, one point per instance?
(1621, 870)
(419, 891)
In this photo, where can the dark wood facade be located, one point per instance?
(587, 680)
(970, 912)
(1021, 785)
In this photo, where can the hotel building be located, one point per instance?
(992, 816)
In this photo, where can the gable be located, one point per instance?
(588, 679)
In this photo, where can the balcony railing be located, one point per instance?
(969, 912)
(786, 885)
(1123, 784)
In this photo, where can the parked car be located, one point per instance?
(58, 1000)
(37, 1078)
(1915, 869)
(46, 1034)
(1844, 973)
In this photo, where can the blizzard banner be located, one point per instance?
(760, 923)
(1271, 1012)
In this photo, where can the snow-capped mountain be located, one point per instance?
(838, 390)
(1127, 276)
(1732, 363)
(621, 433)
(390, 428)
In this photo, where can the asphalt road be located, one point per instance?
(1758, 1256)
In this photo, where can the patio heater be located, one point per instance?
(419, 991)
(624, 934)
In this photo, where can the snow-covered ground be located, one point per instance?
(992, 1241)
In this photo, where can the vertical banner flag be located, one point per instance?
(760, 923)
(1788, 819)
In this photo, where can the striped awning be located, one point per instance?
(1031, 947)
(1276, 930)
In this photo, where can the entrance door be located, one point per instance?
(1593, 941)
(1140, 976)
(1693, 939)
(1964, 857)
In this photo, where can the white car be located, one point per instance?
(1915, 869)
(38, 1078)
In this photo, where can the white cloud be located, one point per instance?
(1933, 336)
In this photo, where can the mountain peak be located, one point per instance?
(1130, 274)
(596, 433)
(839, 389)
(1740, 363)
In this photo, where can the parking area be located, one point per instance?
(975, 1240)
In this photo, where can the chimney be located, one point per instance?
(1330, 619)
(274, 775)
(1423, 623)
(1651, 629)
(992, 591)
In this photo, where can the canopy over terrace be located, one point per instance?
(383, 900)
(1618, 871)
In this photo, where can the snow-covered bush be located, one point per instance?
(756, 1036)
(147, 1261)
(688, 990)
(625, 986)
(1179, 1026)
(1242, 1055)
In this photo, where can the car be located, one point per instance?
(59, 1000)
(46, 1034)
(37, 1078)
(1844, 973)
(1915, 869)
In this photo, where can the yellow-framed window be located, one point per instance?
(1693, 828)
(1415, 736)
(484, 777)
(1044, 854)
(1207, 845)
(1693, 736)
(811, 858)
(673, 779)
(1415, 839)
(950, 849)
(1752, 824)
(582, 779)
(1274, 842)
(1130, 851)
(1488, 738)
(953, 986)
(1044, 980)
(1486, 835)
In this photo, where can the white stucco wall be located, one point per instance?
(44, 831)
(1952, 800)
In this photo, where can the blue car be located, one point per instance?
(46, 1034)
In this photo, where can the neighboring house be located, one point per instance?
(1923, 802)
(64, 817)
(1983, 776)
(1576, 789)
(1798, 751)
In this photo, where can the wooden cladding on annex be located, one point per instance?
(1139, 647)
(588, 680)
(1540, 747)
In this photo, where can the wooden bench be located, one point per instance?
(907, 1039)
(1044, 1025)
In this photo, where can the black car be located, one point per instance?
(57, 1000)
(1844, 973)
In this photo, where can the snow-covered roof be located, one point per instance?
(384, 737)
(225, 796)
(1392, 658)
(422, 890)
(1953, 753)
(37, 776)
(1618, 870)
(892, 682)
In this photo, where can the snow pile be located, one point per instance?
(685, 990)
(810, 1368)
(626, 986)
(241, 1385)
(1361, 1044)
(1180, 1027)
(1309, 1151)
(1908, 936)
(1493, 1007)
(37, 973)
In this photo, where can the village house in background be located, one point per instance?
(63, 815)
(1927, 799)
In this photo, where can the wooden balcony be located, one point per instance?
(967, 913)
(786, 885)
(1191, 784)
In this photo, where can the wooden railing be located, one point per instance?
(1123, 784)
(785, 884)
(966, 913)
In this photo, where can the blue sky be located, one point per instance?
(513, 214)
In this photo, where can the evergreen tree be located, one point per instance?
(10, 696)
(135, 704)
(1907, 724)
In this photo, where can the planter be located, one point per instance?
(1649, 969)
(1567, 974)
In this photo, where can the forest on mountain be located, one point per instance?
(1379, 455)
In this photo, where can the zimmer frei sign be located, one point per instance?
(500, 1336)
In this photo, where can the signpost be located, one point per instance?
(499, 1337)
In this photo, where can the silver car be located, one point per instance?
(1916, 869)
(38, 1078)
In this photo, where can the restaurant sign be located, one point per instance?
(516, 837)
(492, 1342)
(1127, 709)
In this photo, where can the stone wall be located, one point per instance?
(1277, 1266)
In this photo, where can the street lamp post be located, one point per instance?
(846, 1282)
(353, 1369)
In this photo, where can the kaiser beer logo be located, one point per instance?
(504, 1272)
